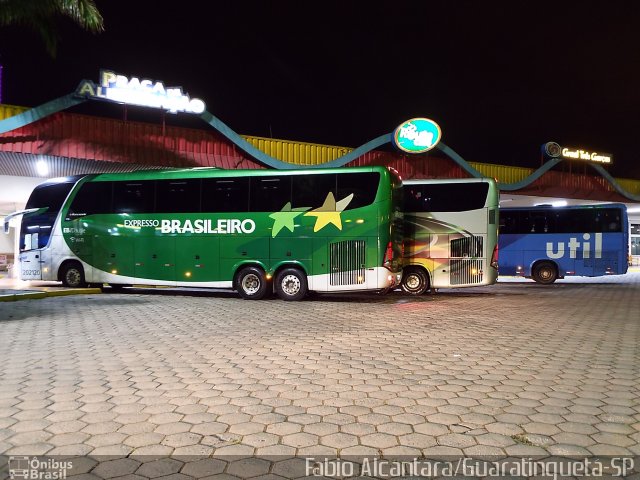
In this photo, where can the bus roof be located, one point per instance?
(205, 172)
(423, 181)
(59, 180)
(567, 207)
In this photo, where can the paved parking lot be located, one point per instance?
(145, 380)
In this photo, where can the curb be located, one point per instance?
(33, 295)
(12, 297)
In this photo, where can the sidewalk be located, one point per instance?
(12, 289)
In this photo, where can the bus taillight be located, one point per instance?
(388, 256)
(494, 257)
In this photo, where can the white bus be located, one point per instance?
(451, 234)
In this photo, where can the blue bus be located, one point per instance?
(546, 243)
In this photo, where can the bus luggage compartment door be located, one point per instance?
(31, 265)
(155, 259)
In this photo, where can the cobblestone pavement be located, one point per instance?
(146, 379)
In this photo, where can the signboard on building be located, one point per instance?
(117, 88)
(417, 135)
(589, 155)
(553, 150)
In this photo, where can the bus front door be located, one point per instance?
(31, 265)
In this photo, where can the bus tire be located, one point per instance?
(251, 283)
(72, 275)
(291, 284)
(415, 281)
(545, 273)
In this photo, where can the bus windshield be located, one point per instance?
(445, 197)
(36, 228)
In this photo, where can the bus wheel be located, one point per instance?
(291, 284)
(545, 273)
(415, 281)
(251, 283)
(72, 275)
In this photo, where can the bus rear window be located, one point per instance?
(445, 197)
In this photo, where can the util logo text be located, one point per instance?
(574, 245)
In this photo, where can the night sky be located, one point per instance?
(501, 78)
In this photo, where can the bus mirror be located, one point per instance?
(29, 211)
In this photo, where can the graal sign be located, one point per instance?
(117, 88)
(417, 135)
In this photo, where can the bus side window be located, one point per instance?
(611, 220)
(226, 194)
(92, 198)
(538, 222)
(514, 221)
(562, 221)
(415, 198)
(269, 193)
(134, 196)
(311, 191)
(363, 186)
(506, 222)
(178, 196)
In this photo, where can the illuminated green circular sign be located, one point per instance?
(417, 135)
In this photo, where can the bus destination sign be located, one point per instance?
(117, 88)
(417, 135)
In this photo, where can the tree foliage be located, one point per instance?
(42, 15)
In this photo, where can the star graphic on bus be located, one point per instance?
(284, 218)
(329, 212)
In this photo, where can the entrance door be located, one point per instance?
(635, 249)
(30, 265)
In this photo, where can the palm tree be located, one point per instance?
(41, 15)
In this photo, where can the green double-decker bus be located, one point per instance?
(256, 231)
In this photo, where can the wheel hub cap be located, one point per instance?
(290, 285)
(73, 277)
(251, 284)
